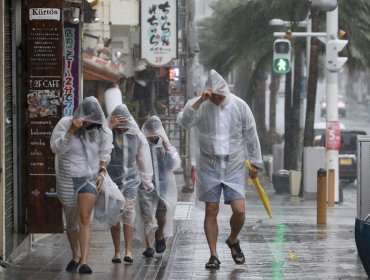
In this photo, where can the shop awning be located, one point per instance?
(98, 69)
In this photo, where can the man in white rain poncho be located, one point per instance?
(130, 166)
(82, 145)
(161, 203)
(226, 135)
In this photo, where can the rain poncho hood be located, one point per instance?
(164, 163)
(153, 127)
(225, 136)
(217, 84)
(90, 110)
(130, 124)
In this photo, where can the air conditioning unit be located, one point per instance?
(363, 176)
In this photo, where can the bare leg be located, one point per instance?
(73, 242)
(237, 219)
(116, 238)
(159, 232)
(72, 231)
(211, 226)
(85, 205)
(236, 223)
(128, 233)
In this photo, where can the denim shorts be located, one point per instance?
(214, 194)
(83, 185)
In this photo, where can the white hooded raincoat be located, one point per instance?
(226, 136)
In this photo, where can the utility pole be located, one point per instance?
(332, 99)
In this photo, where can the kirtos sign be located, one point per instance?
(43, 97)
(44, 14)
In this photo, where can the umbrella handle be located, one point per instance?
(367, 217)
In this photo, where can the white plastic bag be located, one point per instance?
(109, 204)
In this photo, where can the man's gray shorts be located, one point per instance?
(214, 194)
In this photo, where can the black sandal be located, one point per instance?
(236, 252)
(160, 244)
(213, 263)
(148, 253)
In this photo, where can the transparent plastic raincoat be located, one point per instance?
(80, 157)
(226, 136)
(164, 163)
(130, 164)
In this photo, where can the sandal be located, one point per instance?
(236, 252)
(148, 253)
(213, 263)
(160, 244)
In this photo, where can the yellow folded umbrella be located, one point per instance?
(265, 200)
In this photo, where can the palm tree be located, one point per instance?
(239, 31)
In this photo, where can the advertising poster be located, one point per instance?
(44, 100)
(333, 135)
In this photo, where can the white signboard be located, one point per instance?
(158, 31)
(44, 14)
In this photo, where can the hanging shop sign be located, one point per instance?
(158, 31)
(71, 85)
(44, 96)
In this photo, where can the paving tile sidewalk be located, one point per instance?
(323, 252)
(49, 257)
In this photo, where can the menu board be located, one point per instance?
(44, 97)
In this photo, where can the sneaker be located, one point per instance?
(149, 253)
(85, 269)
(72, 266)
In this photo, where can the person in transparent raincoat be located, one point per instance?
(157, 209)
(129, 167)
(226, 135)
(82, 144)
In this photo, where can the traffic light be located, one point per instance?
(282, 56)
(333, 47)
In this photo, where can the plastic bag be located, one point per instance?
(109, 204)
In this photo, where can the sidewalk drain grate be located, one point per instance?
(182, 211)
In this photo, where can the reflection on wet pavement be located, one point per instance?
(320, 251)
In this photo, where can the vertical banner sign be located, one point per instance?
(333, 135)
(158, 31)
(44, 95)
(71, 68)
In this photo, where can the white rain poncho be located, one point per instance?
(130, 164)
(226, 136)
(164, 163)
(80, 156)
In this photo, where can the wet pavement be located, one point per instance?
(320, 252)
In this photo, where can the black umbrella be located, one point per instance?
(362, 237)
